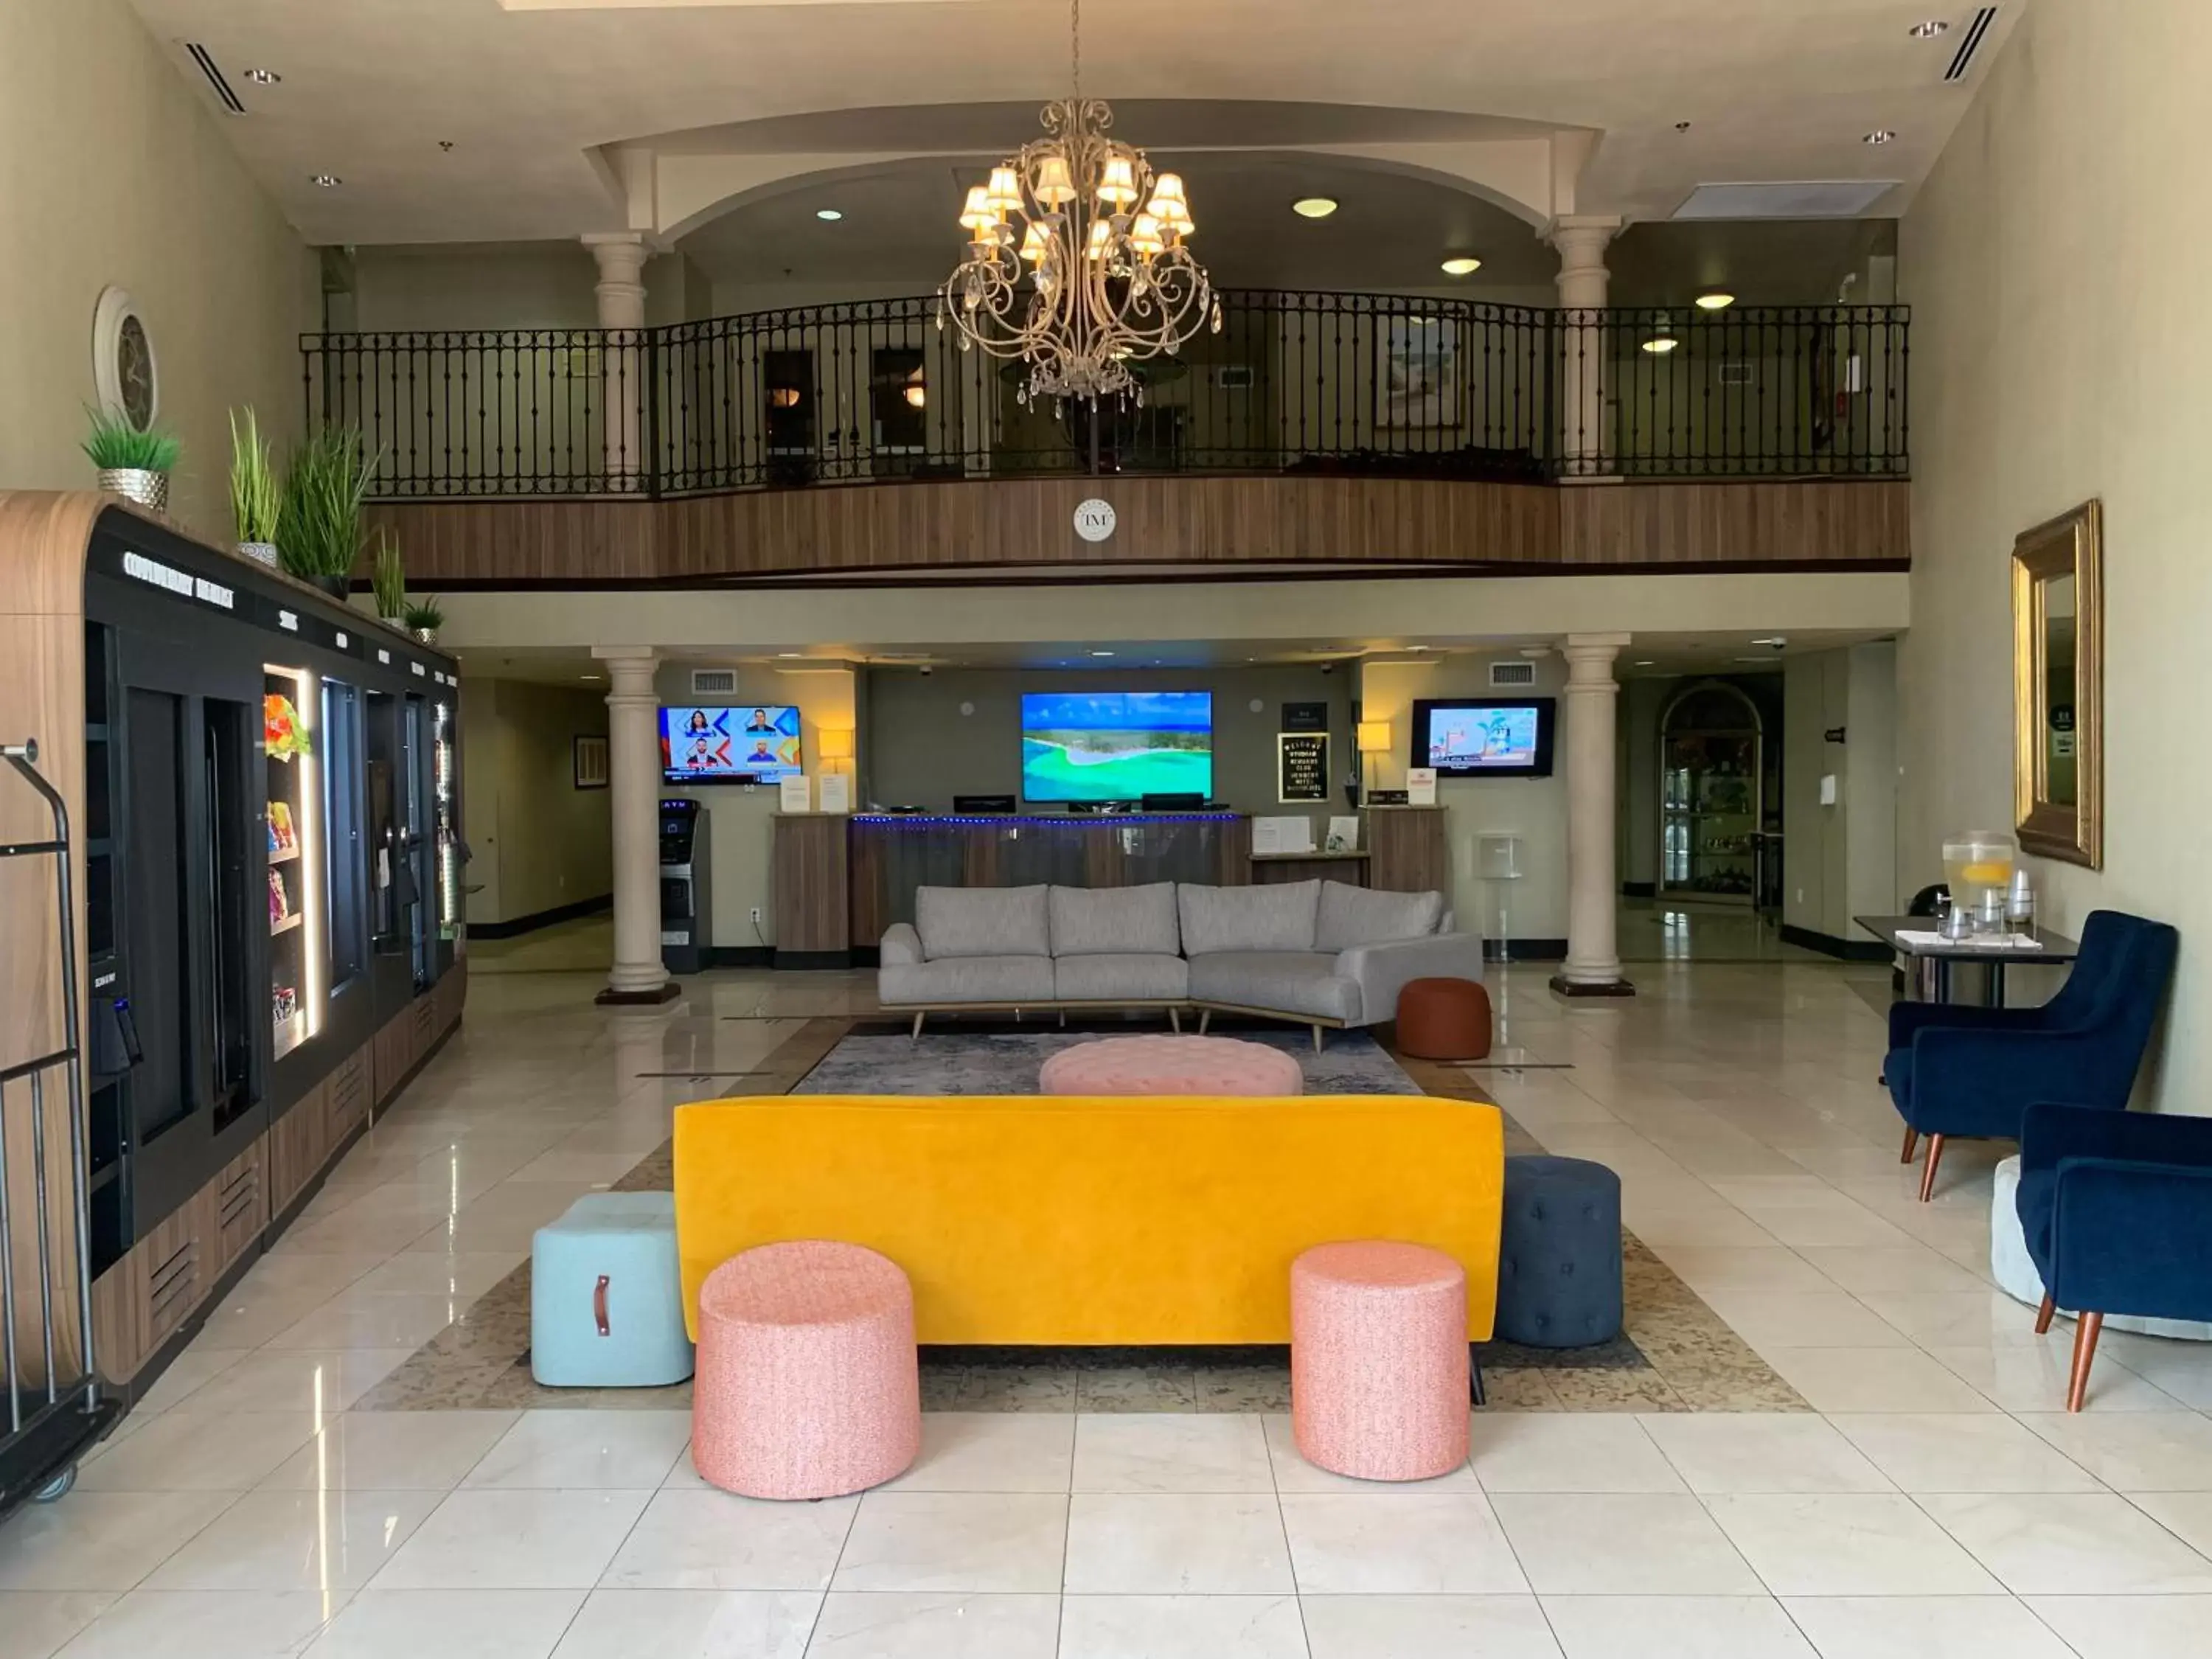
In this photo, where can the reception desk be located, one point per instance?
(842, 879)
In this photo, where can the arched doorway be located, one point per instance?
(1712, 804)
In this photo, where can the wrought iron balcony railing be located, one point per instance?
(1334, 384)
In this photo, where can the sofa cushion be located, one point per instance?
(982, 922)
(1363, 915)
(1131, 978)
(967, 979)
(1097, 921)
(1277, 918)
(1278, 981)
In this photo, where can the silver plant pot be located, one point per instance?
(148, 489)
(260, 552)
(428, 635)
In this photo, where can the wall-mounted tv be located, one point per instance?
(1116, 745)
(1485, 737)
(745, 743)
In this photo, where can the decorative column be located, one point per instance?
(1581, 240)
(621, 292)
(1593, 964)
(633, 791)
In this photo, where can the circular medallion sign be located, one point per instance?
(1094, 520)
(123, 367)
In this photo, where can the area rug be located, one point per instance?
(873, 1061)
(1674, 1355)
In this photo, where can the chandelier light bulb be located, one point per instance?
(1117, 184)
(1034, 243)
(1054, 188)
(1145, 236)
(1005, 193)
(977, 215)
(1102, 233)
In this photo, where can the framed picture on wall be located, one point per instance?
(591, 763)
(1419, 371)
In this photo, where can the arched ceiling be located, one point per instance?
(543, 103)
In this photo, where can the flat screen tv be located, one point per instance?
(1116, 745)
(1485, 737)
(745, 743)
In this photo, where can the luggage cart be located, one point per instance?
(51, 1417)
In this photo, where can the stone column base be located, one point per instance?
(666, 991)
(1562, 986)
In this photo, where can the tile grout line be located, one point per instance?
(1282, 1527)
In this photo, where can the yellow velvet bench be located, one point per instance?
(1086, 1222)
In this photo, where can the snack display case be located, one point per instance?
(1711, 795)
(293, 824)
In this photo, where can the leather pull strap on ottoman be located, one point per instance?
(1379, 1360)
(606, 1295)
(1558, 1253)
(808, 1382)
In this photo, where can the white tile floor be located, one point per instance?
(1939, 1504)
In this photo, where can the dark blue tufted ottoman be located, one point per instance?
(1558, 1259)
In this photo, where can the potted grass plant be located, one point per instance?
(133, 464)
(319, 533)
(387, 579)
(424, 618)
(256, 495)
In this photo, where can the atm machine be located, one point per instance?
(687, 902)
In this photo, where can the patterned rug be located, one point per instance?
(1675, 1353)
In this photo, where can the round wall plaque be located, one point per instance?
(123, 372)
(1094, 519)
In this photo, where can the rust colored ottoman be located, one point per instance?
(1444, 1019)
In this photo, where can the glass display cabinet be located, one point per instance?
(1711, 795)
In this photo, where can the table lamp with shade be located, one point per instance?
(1372, 739)
(835, 743)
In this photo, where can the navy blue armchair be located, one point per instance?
(2117, 1208)
(1972, 1071)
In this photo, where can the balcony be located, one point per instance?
(1367, 430)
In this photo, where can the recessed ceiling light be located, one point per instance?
(1646, 662)
(1931, 29)
(828, 216)
(1880, 135)
(262, 77)
(1102, 653)
(1715, 302)
(325, 180)
(1662, 339)
(1773, 639)
(1463, 264)
(1681, 126)
(1314, 207)
(594, 677)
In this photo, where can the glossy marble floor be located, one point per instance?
(1933, 1502)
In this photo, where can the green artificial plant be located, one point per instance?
(256, 495)
(116, 446)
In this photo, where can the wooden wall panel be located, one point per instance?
(1226, 522)
(1410, 852)
(811, 885)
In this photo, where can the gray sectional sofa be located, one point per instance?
(1317, 952)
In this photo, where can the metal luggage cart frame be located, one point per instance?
(49, 1423)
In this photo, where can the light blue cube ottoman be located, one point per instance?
(606, 1299)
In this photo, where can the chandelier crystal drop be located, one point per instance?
(1077, 263)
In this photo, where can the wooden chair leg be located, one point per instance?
(917, 1027)
(1175, 1019)
(1317, 1039)
(1205, 1019)
(1928, 1174)
(2044, 1313)
(2086, 1331)
(1911, 1141)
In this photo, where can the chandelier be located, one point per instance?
(1110, 282)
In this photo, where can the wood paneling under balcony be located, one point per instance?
(1214, 523)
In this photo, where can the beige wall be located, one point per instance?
(540, 842)
(115, 173)
(1839, 860)
(1535, 809)
(923, 751)
(2053, 261)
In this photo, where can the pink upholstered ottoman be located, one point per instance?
(1170, 1065)
(1379, 1363)
(807, 1384)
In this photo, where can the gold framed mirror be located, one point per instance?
(2058, 687)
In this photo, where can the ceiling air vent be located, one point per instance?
(1512, 674)
(1234, 377)
(201, 56)
(1962, 61)
(714, 681)
(1803, 198)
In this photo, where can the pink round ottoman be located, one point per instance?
(1379, 1363)
(1170, 1065)
(807, 1384)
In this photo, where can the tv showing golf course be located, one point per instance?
(1116, 745)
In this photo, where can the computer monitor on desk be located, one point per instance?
(984, 806)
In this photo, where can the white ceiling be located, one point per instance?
(529, 98)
